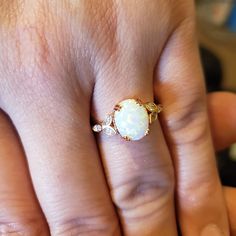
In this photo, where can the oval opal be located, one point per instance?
(131, 120)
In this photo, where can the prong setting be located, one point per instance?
(147, 132)
(127, 138)
(117, 107)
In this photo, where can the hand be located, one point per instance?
(222, 118)
(59, 57)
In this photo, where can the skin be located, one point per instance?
(222, 118)
(61, 61)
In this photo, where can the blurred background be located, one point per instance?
(217, 37)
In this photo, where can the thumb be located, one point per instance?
(222, 118)
(230, 195)
(222, 115)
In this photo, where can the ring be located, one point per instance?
(130, 119)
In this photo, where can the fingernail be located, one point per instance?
(212, 230)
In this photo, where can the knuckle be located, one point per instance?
(31, 51)
(30, 64)
(101, 21)
(28, 41)
(89, 226)
(196, 196)
(104, 17)
(25, 53)
(189, 123)
(31, 227)
(144, 196)
(10, 11)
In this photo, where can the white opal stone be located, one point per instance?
(131, 120)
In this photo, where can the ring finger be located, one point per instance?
(139, 173)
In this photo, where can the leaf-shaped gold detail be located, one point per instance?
(109, 131)
(151, 107)
(107, 121)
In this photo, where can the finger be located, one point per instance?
(222, 118)
(52, 116)
(139, 173)
(180, 89)
(20, 213)
(230, 196)
(223, 130)
(64, 165)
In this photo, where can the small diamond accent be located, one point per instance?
(97, 128)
